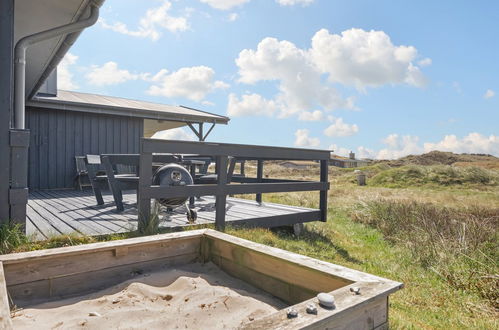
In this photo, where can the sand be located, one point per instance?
(195, 296)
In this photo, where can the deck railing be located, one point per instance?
(221, 152)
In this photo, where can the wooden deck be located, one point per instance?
(54, 212)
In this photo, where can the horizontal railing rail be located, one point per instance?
(222, 153)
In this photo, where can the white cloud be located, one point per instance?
(355, 58)
(64, 75)
(232, 17)
(311, 116)
(364, 59)
(294, 2)
(224, 4)
(152, 24)
(109, 74)
(340, 128)
(303, 140)
(299, 83)
(193, 83)
(340, 151)
(363, 152)
(400, 146)
(425, 62)
(489, 94)
(175, 134)
(471, 143)
(250, 105)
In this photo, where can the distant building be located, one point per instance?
(349, 162)
(298, 164)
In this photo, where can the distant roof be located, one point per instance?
(83, 102)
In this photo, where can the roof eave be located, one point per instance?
(123, 111)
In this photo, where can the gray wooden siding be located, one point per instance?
(58, 136)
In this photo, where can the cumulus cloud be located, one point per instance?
(294, 2)
(340, 151)
(250, 105)
(224, 4)
(354, 58)
(64, 75)
(489, 94)
(471, 143)
(151, 24)
(311, 115)
(299, 83)
(339, 128)
(175, 134)
(193, 83)
(399, 146)
(365, 59)
(109, 74)
(363, 152)
(304, 140)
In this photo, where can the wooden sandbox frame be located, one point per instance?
(33, 277)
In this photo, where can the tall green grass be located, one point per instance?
(437, 176)
(11, 237)
(460, 245)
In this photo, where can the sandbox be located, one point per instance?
(196, 279)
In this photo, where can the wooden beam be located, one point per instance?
(209, 131)
(5, 321)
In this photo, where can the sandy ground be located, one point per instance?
(194, 296)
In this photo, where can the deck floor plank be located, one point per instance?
(64, 211)
(78, 219)
(102, 216)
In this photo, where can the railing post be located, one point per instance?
(221, 197)
(18, 193)
(242, 172)
(324, 192)
(145, 181)
(259, 175)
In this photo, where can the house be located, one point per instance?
(68, 124)
(345, 162)
(42, 129)
(299, 164)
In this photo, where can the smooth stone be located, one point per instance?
(326, 300)
(311, 309)
(292, 313)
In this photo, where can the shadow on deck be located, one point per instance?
(54, 212)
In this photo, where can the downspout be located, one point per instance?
(20, 58)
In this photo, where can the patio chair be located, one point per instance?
(81, 174)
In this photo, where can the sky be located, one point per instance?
(383, 79)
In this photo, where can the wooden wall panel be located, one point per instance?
(58, 136)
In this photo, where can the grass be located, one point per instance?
(438, 235)
(436, 176)
(460, 245)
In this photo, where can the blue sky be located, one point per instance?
(382, 78)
